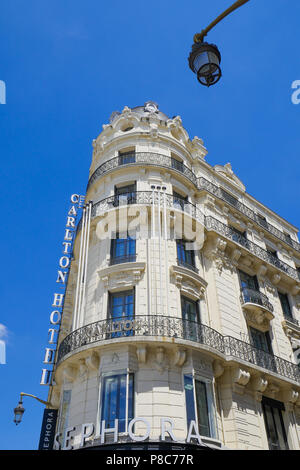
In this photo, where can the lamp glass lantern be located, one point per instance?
(204, 60)
(18, 411)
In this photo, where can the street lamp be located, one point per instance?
(205, 58)
(19, 410)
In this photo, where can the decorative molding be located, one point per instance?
(124, 275)
(273, 389)
(218, 369)
(260, 384)
(92, 361)
(160, 362)
(240, 379)
(188, 281)
(69, 373)
(180, 357)
(292, 330)
(258, 318)
(141, 352)
(229, 175)
(276, 278)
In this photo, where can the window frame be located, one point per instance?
(210, 402)
(129, 373)
(274, 404)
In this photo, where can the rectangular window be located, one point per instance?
(64, 414)
(239, 237)
(200, 405)
(262, 220)
(126, 157)
(272, 411)
(179, 200)
(247, 281)
(285, 305)
(121, 310)
(185, 257)
(177, 164)
(125, 195)
(122, 250)
(233, 201)
(190, 317)
(117, 401)
(261, 340)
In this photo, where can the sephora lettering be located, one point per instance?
(88, 429)
(62, 277)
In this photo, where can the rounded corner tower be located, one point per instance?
(173, 333)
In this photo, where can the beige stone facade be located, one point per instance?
(210, 336)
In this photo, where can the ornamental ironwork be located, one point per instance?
(177, 328)
(255, 297)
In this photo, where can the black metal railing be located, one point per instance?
(151, 158)
(255, 297)
(213, 224)
(148, 198)
(172, 327)
(187, 265)
(291, 319)
(122, 259)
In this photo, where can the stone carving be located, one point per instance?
(273, 389)
(69, 373)
(218, 369)
(240, 379)
(141, 352)
(82, 370)
(92, 361)
(160, 362)
(180, 357)
(276, 278)
(226, 171)
(151, 107)
(260, 384)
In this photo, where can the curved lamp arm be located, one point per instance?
(22, 394)
(199, 36)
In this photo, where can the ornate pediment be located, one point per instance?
(229, 175)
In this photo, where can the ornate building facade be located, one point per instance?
(180, 324)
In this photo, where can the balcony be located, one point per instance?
(122, 259)
(158, 326)
(156, 159)
(187, 265)
(251, 298)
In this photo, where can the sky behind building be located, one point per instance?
(66, 67)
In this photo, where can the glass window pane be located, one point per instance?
(189, 399)
(202, 408)
(279, 427)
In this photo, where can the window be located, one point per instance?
(121, 307)
(239, 237)
(262, 220)
(122, 250)
(285, 305)
(272, 253)
(288, 238)
(247, 281)
(233, 201)
(200, 405)
(272, 410)
(64, 415)
(190, 317)
(125, 194)
(261, 340)
(179, 200)
(185, 257)
(117, 401)
(126, 157)
(177, 164)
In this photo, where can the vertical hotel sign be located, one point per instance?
(58, 297)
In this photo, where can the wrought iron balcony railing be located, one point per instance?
(144, 158)
(176, 203)
(213, 224)
(163, 326)
(255, 297)
(122, 259)
(148, 198)
(221, 194)
(151, 158)
(291, 319)
(187, 265)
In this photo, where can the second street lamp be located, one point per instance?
(205, 58)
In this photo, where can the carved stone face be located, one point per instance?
(151, 107)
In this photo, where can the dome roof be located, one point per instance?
(149, 108)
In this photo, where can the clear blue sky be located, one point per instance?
(67, 65)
